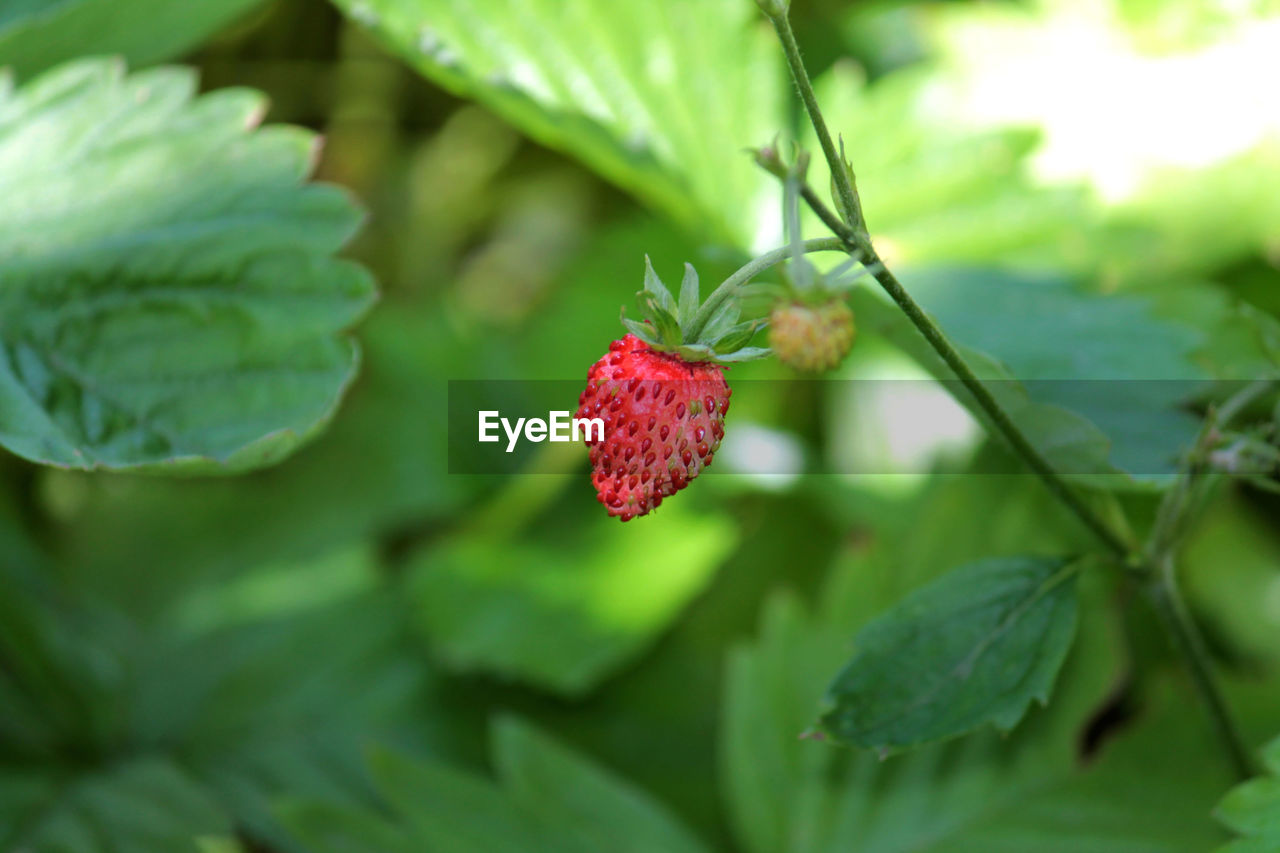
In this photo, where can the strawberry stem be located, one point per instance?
(1156, 569)
(749, 271)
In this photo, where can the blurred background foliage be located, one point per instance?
(357, 650)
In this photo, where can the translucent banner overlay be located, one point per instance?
(1132, 428)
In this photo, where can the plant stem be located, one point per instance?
(947, 351)
(752, 269)
(1157, 568)
(856, 243)
(1167, 600)
(839, 174)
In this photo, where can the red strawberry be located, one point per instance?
(664, 418)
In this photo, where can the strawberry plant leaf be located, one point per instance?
(653, 95)
(974, 647)
(1252, 809)
(1024, 791)
(168, 295)
(1103, 400)
(145, 805)
(549, 799)
(546, 612)
(37, 35)
(601, 811)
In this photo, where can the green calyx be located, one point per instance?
(691, 329)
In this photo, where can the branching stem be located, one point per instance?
(1156, 567)
(752, 269)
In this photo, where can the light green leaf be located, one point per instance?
(724, 319)
(1252, 808)
(736, 336)
(167, 286)
(1230, 565)
(565, 615)
(658, 97)
(662, 318)
(690, 298)
(653, 285)
(745, 354)
(975, 647)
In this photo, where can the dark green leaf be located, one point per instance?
(38, 34)
(1026, 791)
(552, 800)
(598, 809)
(150, 806)
(975, 647)
(167, 286)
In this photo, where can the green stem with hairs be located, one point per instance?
(749, 271)
(1166, 599)
(1156, 568)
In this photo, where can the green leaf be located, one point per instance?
(663, 319)
(745, 354)
(690, 298)
(655, 96)
(661, 295)
(1099, 383)
(600, 810)
(38, 34)
(259, 719)
(724, 319)
(551, 800)
(566, 613)
(644, 331)
(1229, 565)
(1025, 791)
(974, 647)
(736, 337)
(167, 286)
(1252, 808)
(148, 805)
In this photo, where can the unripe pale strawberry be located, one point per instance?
(664, 418)
(811, 338)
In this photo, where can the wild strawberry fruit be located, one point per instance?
(662, 395)
(664, 418)
(811, 338)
